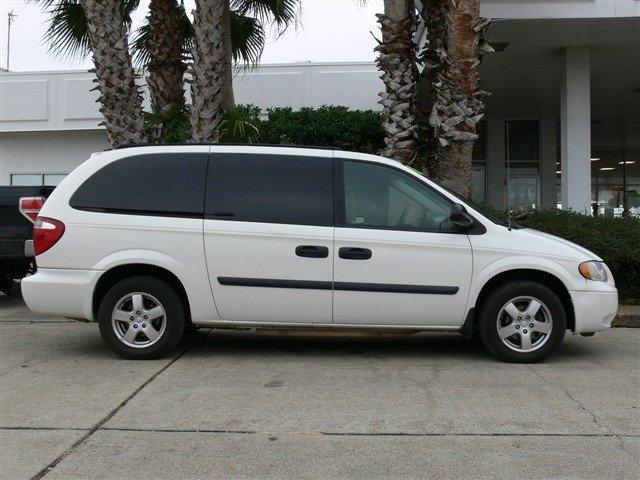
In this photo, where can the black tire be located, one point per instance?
(9, 286)
(174, 319)
(493, 304)
(190, 328)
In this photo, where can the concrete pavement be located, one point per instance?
(237, 405)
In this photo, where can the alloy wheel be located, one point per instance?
(138, 320)
(524, 324)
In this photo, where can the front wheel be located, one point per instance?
(141, 318)
(522, 321)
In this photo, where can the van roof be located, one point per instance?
(279, 145)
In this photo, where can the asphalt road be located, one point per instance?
(238, 405)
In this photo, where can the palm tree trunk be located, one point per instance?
(454, 49)
(120, 98)
(209, 79)
(166, 67)
(397, 61)
(228, 100)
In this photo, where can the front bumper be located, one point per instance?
(595, 310)
(64, 292)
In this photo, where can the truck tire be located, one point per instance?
(9, 286)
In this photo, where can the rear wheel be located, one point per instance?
(522, 321)
(141, 318)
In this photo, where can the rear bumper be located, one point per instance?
(64, 292)
(594, 311)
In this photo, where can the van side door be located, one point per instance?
(268, 234)
(398, 258)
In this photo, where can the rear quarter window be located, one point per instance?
(153, 184)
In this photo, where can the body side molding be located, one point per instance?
(339, 286)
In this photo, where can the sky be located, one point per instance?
(329, 30)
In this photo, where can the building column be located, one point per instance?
(575, 129)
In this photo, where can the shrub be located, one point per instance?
(327, 126)
(615, 240)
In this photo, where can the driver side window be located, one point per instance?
(380, 196)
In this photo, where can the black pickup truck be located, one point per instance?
(16, 230)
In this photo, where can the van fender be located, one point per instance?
(153, 258)
(506, 264)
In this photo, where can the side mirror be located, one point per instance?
(460, 218)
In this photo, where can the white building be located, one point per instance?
(562, 123)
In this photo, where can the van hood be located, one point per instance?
(548, 244)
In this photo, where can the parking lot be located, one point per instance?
(239, 405)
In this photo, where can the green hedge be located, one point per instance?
(615, 240)
(327, 126)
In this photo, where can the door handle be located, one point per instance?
(354, 253)
(312, 251)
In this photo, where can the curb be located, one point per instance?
(628, 317)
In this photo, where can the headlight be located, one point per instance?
(593, 270)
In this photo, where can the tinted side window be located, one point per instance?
(382, 197)
(166, 183)
(270, 188)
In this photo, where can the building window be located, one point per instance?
(53, 179)
(36, 179)
(523, 164)
(615, 182)
(479, 165)
(523, 139)
(479, 182)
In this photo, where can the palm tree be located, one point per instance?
(156, 46)
(209, 79)
(397, 61)
(165, 66)
(211, 69)
(454, 49)
(120, 100)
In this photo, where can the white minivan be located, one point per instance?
(151, 240)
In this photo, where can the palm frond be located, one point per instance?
(282, 13)
(238, 126)
(247, 38)
(67, 32)
(127, 7)
(43, 4)
(140, 42)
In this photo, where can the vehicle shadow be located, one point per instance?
(11, 301)
(446, 346)
(250, 343)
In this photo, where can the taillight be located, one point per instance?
(46, 233)
(30, 206)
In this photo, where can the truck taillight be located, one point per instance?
(46, 233)
(30, 207)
